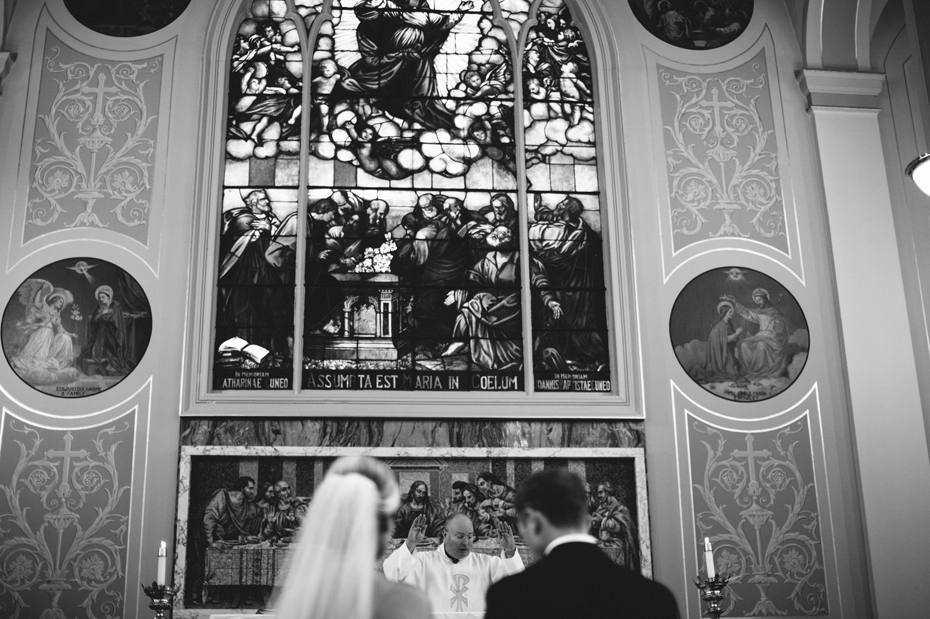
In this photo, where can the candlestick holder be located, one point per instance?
(712, 592)
(161, 596)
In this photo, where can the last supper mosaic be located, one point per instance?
(409, 256)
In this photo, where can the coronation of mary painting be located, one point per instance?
(437, 199)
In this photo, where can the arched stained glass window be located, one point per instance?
(394, 185)
(570, 340)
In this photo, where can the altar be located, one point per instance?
(369, 325)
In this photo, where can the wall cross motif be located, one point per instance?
(97, 145)
(63, 526)
(719, 158)
(759, 508)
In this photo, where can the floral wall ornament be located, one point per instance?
(94, 145)
(755, 499)
(63, 521)
(721, 156)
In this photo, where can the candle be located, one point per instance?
(709, 558)
(162, 564)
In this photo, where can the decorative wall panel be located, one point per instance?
(68, 538)
(721, 159)
(757, 489)
(722, 156)
(65, 516)
(94, 143)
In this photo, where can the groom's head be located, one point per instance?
(549, 504)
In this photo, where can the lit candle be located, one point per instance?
(162, 564)
(709, 558)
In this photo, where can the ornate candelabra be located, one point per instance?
(712, 592)
(161, 596)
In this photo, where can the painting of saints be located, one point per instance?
(764, 354)
(48, 352)
(751, 352)
(720, 360)
(105, 338)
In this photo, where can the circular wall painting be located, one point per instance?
(694, 24)
(126, 18)
(76, 327)
(739, 334)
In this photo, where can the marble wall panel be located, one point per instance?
(414, 433)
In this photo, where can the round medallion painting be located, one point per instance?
(76, 327)
(126, 18)
(739, 334)
(694, 24)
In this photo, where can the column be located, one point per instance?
(890, 438)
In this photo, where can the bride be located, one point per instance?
(332, 569)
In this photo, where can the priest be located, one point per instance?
(454, 578)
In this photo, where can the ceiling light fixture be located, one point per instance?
(919, 171)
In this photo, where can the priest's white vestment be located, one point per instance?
(451, 587)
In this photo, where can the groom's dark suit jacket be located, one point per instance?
(578, 581)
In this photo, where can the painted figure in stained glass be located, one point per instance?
(559, 91)
(489, 324)
(255, 301)
(398, 41)
(265, 87)
(562, 241)
(405, 86)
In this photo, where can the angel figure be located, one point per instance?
(49, 347)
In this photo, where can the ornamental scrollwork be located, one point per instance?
(97, 145)
(63, 527)
(720, 158)
(758, 506)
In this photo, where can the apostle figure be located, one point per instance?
(488, 325)
(398, 41)
(454, 578)
(250, 291)
(499, 497)
(440, 260)
(567, 246)
(417, 503)
(764, 354)
(283, 518)
(612, 524)
(231, 516)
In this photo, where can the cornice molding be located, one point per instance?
(849, 89)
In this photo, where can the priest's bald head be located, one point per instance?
(550, 504)
(458, 536)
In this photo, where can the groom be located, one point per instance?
(572, 577)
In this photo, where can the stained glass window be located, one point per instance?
(409, 220)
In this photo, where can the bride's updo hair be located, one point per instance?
(331, 571)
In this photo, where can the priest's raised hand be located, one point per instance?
(417, 533)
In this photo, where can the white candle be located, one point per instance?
(162, 564)
(709, 558)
